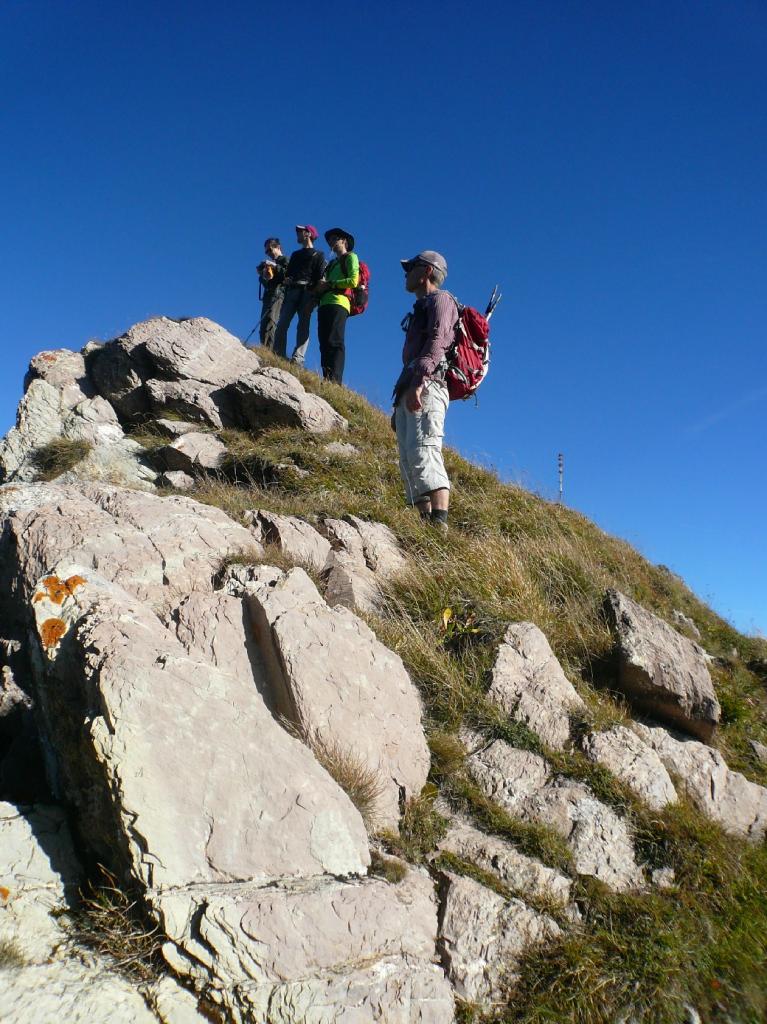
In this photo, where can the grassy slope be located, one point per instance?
(512, 556)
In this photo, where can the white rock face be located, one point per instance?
(63, 370)
(363, 554)
(482, 936)
(335, 680)
(296, 538)
(39, 874)
(273, 396)
(155, 764)
(739, 805)
(664, 674)
(195, 349)
(528, 684)
(186, 398)
(38, 422)
(93, 420)
(524, 875)
(152, 547)
(72, 991)
(192, 452)
(522, 784)
(634, 762)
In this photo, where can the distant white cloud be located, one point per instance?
(727, 410)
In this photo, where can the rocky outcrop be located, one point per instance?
(291, 535)
(664, 675)
(341, 686)
(45, 977)
(632, 761)
(739, 805)
(524, 785)
(523, 875)
(482, 936)
(191, 368)
(528, 684)
(157, 699)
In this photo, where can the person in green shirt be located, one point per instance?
(341, 275)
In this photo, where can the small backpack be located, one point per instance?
(468, 360)
(358, 297)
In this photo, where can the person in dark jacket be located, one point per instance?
(303, 274)
(271, 277)
(341, 275)
(420, 394)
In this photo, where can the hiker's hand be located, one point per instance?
(413, 399)
(321, 287)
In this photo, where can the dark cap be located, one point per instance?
(430, 258)
(340, 233)
(313, 232)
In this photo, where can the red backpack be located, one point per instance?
(469, 358)
(358, 297)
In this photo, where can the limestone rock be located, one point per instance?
(175, 428)
(198, 402)
(192, 452)
(663, 674)
(93, 420)
(194, 349)
(522, 784)
(39, 874)
(482, 936)
(528, 684)
(524, 875)
(633, 762)
(65, 371)
(388, 992)
(381, 548)
(363, 554)
(154, 764)
(146, 543)
(267, 951)
(760, 750)
(336, 681)
(739, 805)
(275, 397)
(350, 583)
(686, 623)
(294, 537)
(176, 478)
(121, 464)
(118, 370)
(69, 990)
(38, 422)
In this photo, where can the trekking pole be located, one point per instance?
(252, 333)
(561, 469)
(495, 298)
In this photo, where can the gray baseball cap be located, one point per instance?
(430, 257)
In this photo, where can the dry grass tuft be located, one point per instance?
(361, 782)
(10, 955)
(110, 921)
(59, 456)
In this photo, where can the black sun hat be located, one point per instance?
(343, 234)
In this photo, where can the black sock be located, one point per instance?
(439, 515)
(424, 511)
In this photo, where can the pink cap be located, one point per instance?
(313, 232)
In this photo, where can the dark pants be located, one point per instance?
(271, 305)
(297, 300)
(331, 326)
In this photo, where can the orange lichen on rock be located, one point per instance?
(4, 894)
(51, 631)
(58, 590)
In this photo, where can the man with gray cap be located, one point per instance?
(420, 394)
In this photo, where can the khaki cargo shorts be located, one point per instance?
(419, 436)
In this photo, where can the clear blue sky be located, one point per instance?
(604, 162)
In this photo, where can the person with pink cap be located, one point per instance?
(304, 272)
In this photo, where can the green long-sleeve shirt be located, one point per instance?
(341, 274)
